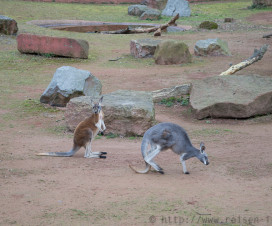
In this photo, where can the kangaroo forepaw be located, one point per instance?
(186, 172)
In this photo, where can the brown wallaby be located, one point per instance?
(84, 134)
(165, 136)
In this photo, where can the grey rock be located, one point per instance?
(8, 26)
(137, 10)
(143, 48)
(174, 7)
(232, 96)
(126, 112)
(172, 52)
(69, 82)
(151, 14)
(211, 47)
(175, 91)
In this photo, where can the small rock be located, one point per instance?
(211, 47)
(172, 52)
(137, 10)
(8, 26)
(151, 14)
(209, 25)
(143, 48)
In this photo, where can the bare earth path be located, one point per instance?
(234, 189)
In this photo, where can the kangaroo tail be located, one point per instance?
(144, 150)
(60, 154)
(146, 170)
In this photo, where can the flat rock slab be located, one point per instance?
(67, 47)
(127, 113)
(69, 82)
(211, 47)
(8, 26)
(175, 91)
(143, 48)
(232, 96)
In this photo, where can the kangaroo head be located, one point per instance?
(97, 106)
(202, 156)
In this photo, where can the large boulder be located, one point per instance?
(126, 112)
(8, 26)
(69, 82)
(143, 48)
(174, 7)
(172, 52)
(175, 91)
(151, 14)
(232, 96)
(137, 10)
(67, 47)
(211, 47)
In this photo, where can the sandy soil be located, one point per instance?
(234, 189)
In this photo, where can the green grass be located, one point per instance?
(20, 73)
(171, 101)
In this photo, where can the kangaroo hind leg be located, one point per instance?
(155, 150)
(90, 154)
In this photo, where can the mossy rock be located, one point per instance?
(210, 25)
(172, 52)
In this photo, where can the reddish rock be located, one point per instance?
(8, 26)
(28, 43)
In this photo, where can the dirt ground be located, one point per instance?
(235, 189)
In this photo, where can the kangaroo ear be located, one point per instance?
(202, 147)
(100, 100)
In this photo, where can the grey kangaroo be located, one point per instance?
(165, 136)
(84, 134)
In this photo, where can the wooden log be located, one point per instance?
(157, 30)
(257, 55)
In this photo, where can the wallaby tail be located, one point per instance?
(146, 170)
(60, 154)
(144, 147)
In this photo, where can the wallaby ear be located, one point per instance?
(202, 147)
(100, 100)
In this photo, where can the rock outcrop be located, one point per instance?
(232, 96)
(69, 82)
(127, 113)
